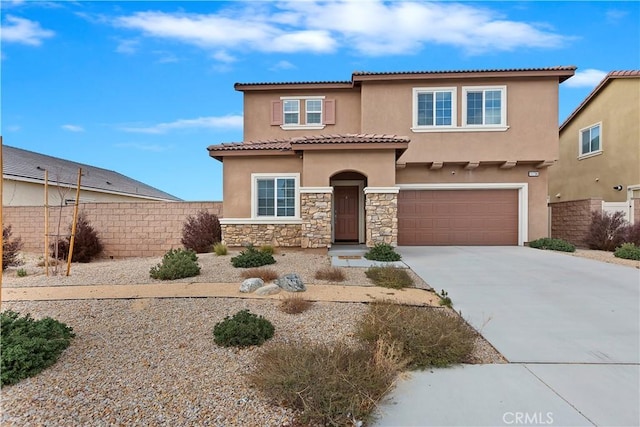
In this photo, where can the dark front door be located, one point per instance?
(346, 218)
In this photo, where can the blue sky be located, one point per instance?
(143, 88)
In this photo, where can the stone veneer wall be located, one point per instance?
(315, 210)
(381, 210)
(570, 220)
(262, 234)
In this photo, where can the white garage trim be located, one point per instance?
(523, 198)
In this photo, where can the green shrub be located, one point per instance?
(29, 346)
(220, 249)
(382, 252)
(86, 245)
(251, 257)
(445, 299)
(22, 272)
(389, 277)
(628, 251)
(606, 231)
(335, 385)
(176, 264)
(427, 336)
(242, 330)
(10, 248)
(201, 232)
(552, 244)
(267, 249)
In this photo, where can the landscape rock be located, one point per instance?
(291, 283)
(268, 290)
(250, 285)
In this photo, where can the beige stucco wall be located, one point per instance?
(237, 179)
(532, 117)
(257, 113)
(377, 165)
(537, 186)
(20, 193)
(617, 106)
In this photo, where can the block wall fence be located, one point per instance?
(127, 229)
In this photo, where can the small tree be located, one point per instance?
(201, 232)
(606, 231)
(10, 248)
(87, 244)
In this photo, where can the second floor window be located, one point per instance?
(291, 112)
(314, 111)
(590, 140)
(484, 106)
(434, 107)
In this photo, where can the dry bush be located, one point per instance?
(632, 233)
(10, 248)
(606, 231)
(264, 273)
(201, 232)
(330, 384)
(331, 274)
(389, 277)
(86, 245)
(427, 336)
(294, 304)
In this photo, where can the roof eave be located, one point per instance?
(247, 87)
(220, 154)
(562, 74)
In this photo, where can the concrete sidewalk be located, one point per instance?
(329, 293)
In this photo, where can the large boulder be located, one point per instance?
(268, 290)
(291, 283)
(250, 285)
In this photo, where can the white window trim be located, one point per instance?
(590, 153)
(523, 198)
(284, 113)
(306, 112)
(254, 194)
(435, 128)
(299, 126)
(503, 109)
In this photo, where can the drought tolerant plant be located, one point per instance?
(264, 273)
(21, 272)
(336, 385)
(389, 277)
(428, 336)
(382, 252)
(445, 300)
(220, 249)
(606, 231)
(628, 251)
(201, 232)
(29, 346)
(86, 246)
(10, 248)
(331, 274)
(632, 233)
(552, 244)
(251, 257)
(244, 329)
(176, 264)
(267, 249)
(294, 304)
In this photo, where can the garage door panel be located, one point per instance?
(458, 217)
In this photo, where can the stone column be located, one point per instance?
(315, 212)
(381, 211)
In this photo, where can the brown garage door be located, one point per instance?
(458, 217)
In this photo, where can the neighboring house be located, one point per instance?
(600, 149)
(406, 158)
(23, 182)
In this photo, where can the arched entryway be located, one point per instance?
(348, 207)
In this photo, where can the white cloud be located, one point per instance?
(128, 47)
(224, 122)
(614, 15)
(14, 128)
(223, 56)
(24, 31)
(370, 28)
(587, 78)
(283, 65)
(155, 148)
(73, 128)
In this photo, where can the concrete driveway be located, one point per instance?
(569, 326)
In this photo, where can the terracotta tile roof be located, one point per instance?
(494, 70)
(286, 144)
(610, 76)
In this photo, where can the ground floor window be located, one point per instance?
(276, 196)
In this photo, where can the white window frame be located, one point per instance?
(299, 125)
(307, 111)
(454, 109)
(503, 107)
(254, 196)
(285, 112)
(597, 152)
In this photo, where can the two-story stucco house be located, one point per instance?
(600, 149)
(407, 158)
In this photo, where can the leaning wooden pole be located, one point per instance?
(75, 222)
(46, 222)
